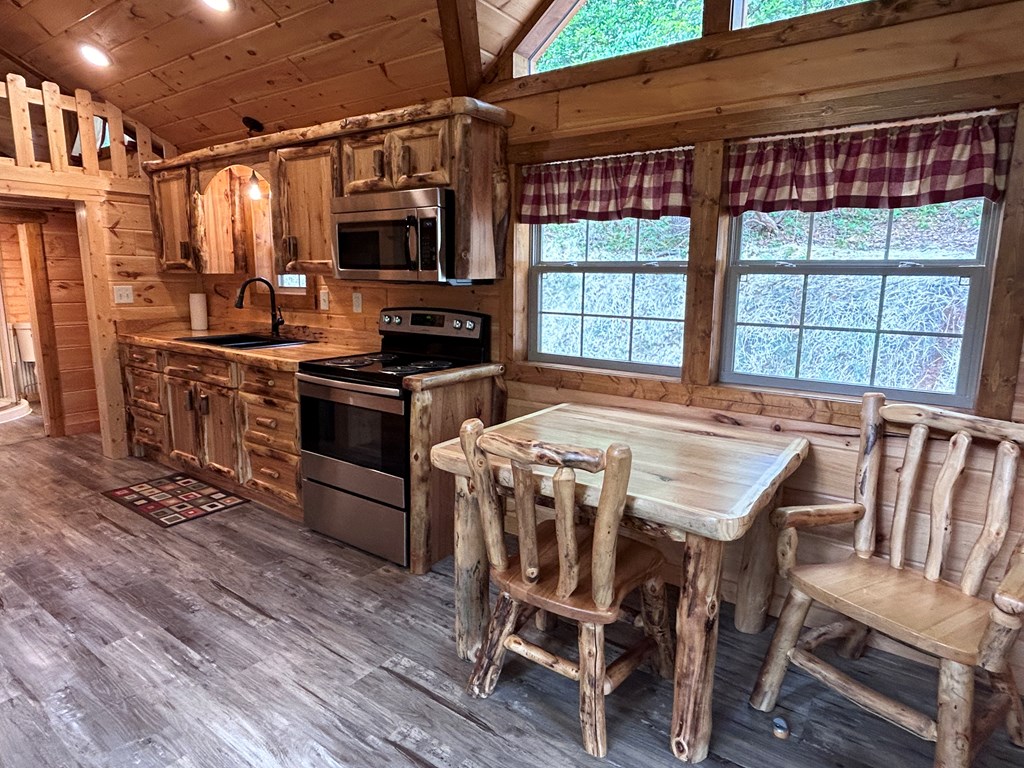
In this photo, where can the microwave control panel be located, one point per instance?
(428, 244)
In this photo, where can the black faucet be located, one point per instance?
(276, 321)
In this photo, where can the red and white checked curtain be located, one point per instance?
(891, 167)
(647, 185)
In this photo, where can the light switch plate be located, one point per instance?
(124, 294)
(357, 301)
(325, 299)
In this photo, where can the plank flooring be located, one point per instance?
(243, 639)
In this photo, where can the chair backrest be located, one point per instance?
(961, 431)
(615, 462)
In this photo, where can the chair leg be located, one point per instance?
(654, 609)
(591, 640)
(956, 708)
(1003, 682)
(773, 669)
(492, 652)
(545, 621)
(852, 647)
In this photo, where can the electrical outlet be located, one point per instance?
(325, 299)
(357, 301)
(124, 294)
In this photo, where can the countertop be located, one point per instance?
(277, 358)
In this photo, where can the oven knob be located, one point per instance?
(470, 325)
(398, 319)
(456, 324)
(387, 319)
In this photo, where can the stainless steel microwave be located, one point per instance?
(404, 235)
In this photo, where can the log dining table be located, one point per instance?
(699, 484)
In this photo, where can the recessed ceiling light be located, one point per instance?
(94, 55)
(219, 5)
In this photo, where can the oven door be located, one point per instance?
(377, 245)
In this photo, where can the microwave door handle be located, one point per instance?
(412, 248)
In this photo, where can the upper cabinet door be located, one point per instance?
(365, 164)
(171, 202)
(303, 181)
(420, 155)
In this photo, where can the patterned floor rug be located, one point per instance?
(174, 499)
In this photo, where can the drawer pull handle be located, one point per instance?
(143, 389)
(196, 368)
(269, 383)
(270, 472)
(146, 430)
(265, 422)
(140, 358)
(204, 405)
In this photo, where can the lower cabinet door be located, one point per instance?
(217, 413)
(182, 420)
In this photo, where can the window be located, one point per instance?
(855, 299)
(610, 294)
(751, 13)
(601, 29)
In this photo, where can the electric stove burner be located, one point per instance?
(382, 357)
(401, 370)
(361, 361)
(431, 365)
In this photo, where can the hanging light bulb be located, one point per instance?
(254, 187)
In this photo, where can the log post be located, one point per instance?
(956, 704)
(472, 581)
(696, 646)
(654, 608)
(591, 640)
(776, 660)
(492, 652)
(757, 574)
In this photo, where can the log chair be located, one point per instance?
(579, 572)
(913, 606)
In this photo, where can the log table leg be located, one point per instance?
(757, 574)
(696, 647)
(472, 581)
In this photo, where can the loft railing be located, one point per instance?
(65, 118)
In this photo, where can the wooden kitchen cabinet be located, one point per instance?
(403, 158)
(303, 181)
(203, 425)
(365, 164)
(182, 422)
(171, 204)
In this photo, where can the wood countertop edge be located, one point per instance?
(278, 358)
(423, 381)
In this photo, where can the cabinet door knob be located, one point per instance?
(406, 160)
(143, 389)
(204, 405)
(270, 472)
(268, 382)
(195, 368)
(146, 430)
(138, 357)
(263, 421)
(184, 251)
(378, 163)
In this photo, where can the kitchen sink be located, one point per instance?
(244, 341)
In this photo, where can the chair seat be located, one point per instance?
(935, 617)
(634, 564)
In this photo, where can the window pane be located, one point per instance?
(561, 292)
(774, 236)
(560, 334)
(658, 342)
(765, 11)
(606, 338)
(843, 301)
(563, 242)
(770, 299)
(849, 234)
(925, 304)
(660, 296)
(840, 357)
(612, 240)
(766, 351)
(608, 294)
(942, 231)
(291, 281)
(665, 239)
(927, 363)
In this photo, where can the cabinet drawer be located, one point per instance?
(199, 368)
(149, 428)
(269, 422)
(267, 381)
(273, 472)
(144, 389)
(141, 357)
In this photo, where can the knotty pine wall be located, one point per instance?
(12, 275)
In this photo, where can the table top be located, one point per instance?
(687, 477)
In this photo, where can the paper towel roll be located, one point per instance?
(197, 311)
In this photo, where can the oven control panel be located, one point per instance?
(431, 322)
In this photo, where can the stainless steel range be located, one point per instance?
(355, 426)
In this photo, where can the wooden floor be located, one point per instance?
(242, 639)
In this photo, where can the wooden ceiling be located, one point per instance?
(191, 73)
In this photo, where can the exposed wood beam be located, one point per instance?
(21, 216)
(532, 23)
(461, 36)
(859, 17)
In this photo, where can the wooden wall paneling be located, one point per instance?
(12, 275)
(33, 260)
(1004, 334)
(461, 36)
(705, 276)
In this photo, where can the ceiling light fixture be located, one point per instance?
(254, 187)
(219, 5)
(94, 55)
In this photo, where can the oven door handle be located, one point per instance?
(385, 399)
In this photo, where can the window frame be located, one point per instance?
(980, 270)
(537, 269)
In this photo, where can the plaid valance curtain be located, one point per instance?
(646, 185)
(892, 167)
